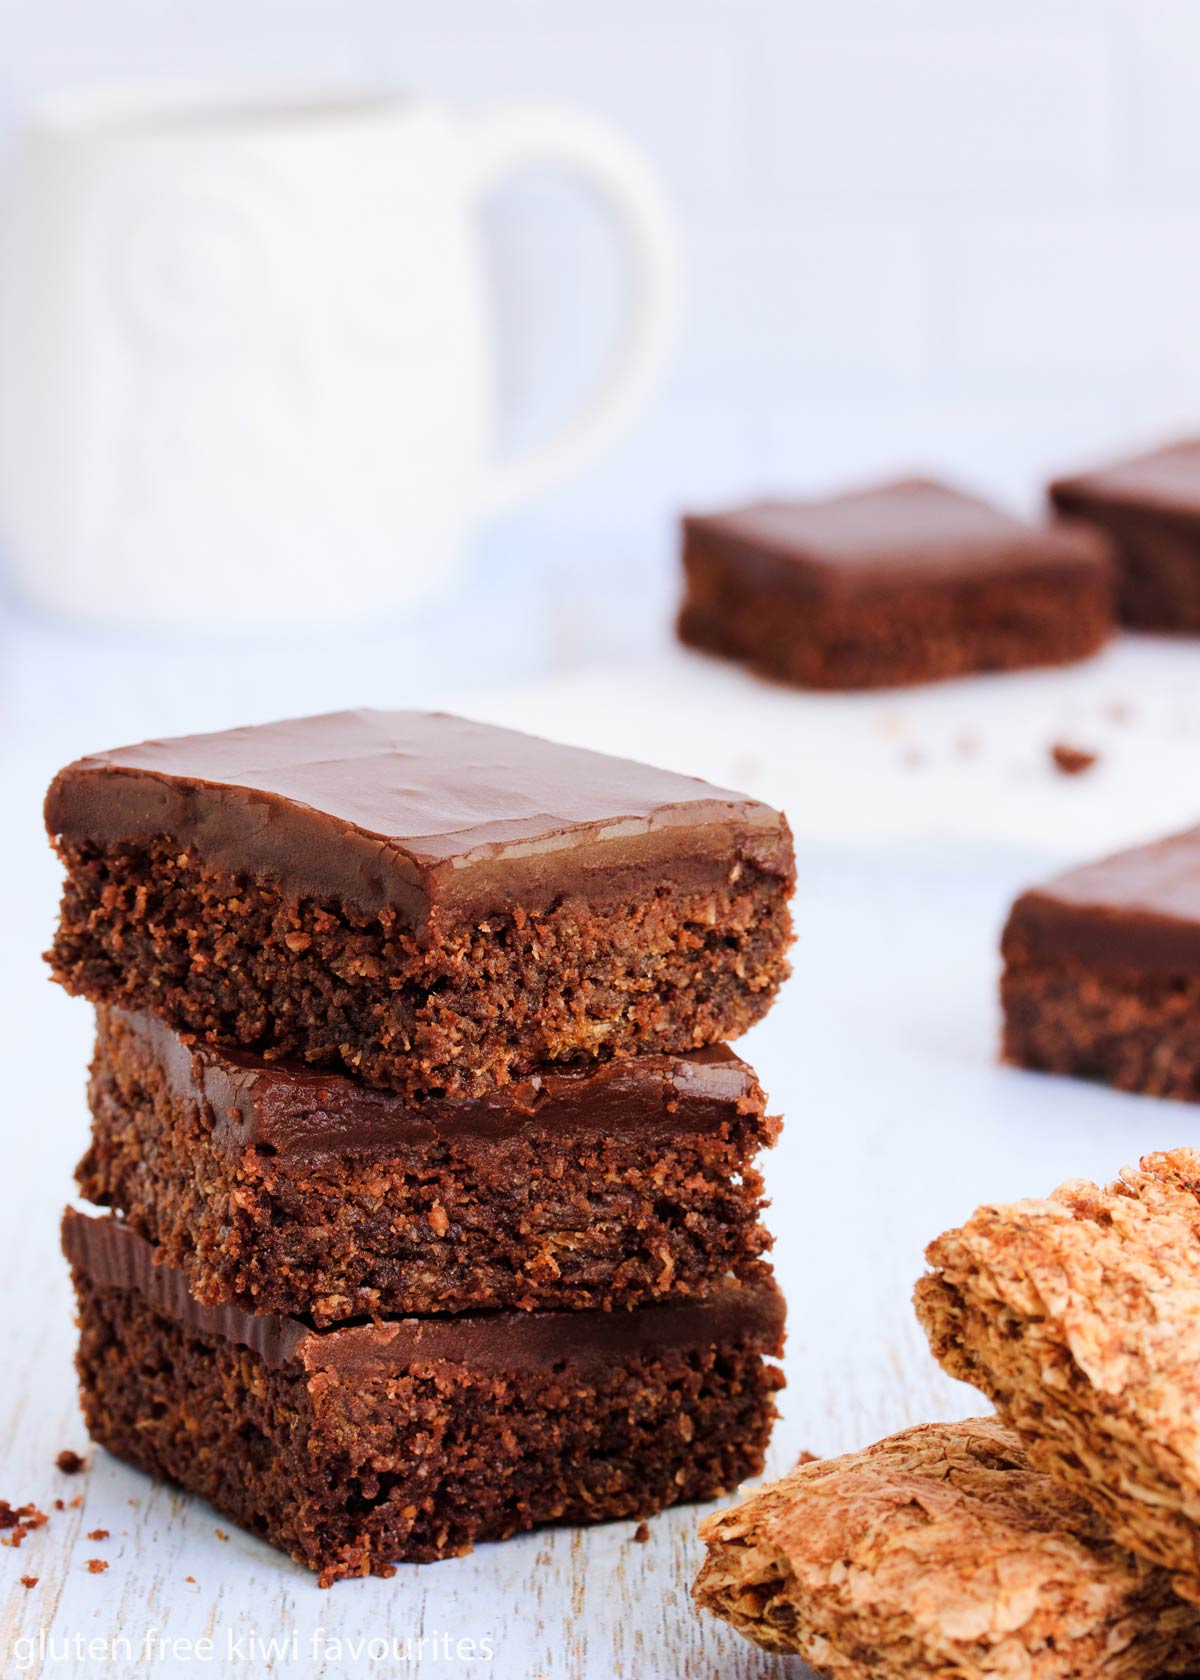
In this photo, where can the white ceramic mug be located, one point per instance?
(245, 363)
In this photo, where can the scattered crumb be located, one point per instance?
(191, 1579)
(19, 1521)
(220, 1534)
(98, 1534)
(1071, 761)
(96, 1566)
(74, 1504)
(135, 1502)
(59, 1506)
(69, 1462)
(29, 1580)
(807, 1458)
(642, 1533)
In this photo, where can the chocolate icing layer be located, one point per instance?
(912, 533)
(304, 1115)
(114, 1257)
(1138, 909)
(423, 813)
(1164, 482)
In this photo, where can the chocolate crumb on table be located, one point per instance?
(290, 1190)
(1077, 1316)
(431, 905)
(1102, 971)
(18, 1522)
(98, 1534)
(1071, 761)
(941, 1551)
(96, 1566)
(1149, 508)
(902, 583)
(29, 1580)
(642, 1533)
(366, 1445)
(70, 1463)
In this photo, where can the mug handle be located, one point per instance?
(525, 133)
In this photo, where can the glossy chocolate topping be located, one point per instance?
(1165, 481)
(113, 1257)
(912, 532)
(427, 814)
(304, 1115)
(1139, 910)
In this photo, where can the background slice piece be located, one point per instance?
(902, 583)
(1079, 1316)
(1149, 505)
(1102, 971)
(937, 1552)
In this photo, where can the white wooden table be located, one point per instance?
(880, 1054)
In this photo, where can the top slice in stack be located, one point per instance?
(431, 905)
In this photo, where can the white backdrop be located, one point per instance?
(916, 232)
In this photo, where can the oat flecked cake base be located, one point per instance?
(409, 1440)
(1136, 1032)
(941, 1553)
(919, 637)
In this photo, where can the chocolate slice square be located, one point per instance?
(428, 904)
(903, 583)
(1102, 971)
(1149, 507)
(286, 1189)
(411, 1439)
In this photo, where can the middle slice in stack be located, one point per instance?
(282, 1189)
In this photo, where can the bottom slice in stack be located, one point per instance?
(358, 1447)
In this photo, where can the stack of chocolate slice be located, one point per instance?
(435, 1212)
